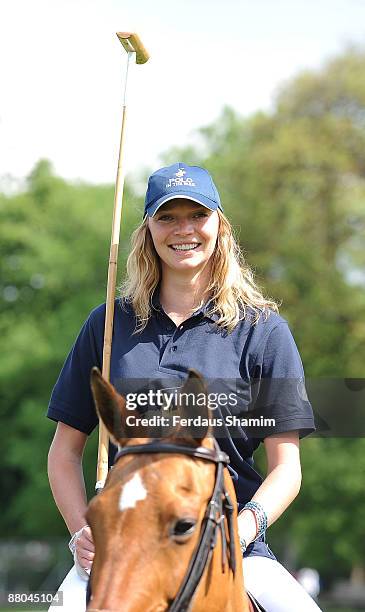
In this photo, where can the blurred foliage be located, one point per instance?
(54, 245)
(293, 183)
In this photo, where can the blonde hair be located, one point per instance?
(232, 287)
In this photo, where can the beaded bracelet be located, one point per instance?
(243, 544)
(260, 517)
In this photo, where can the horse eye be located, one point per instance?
(183, 527)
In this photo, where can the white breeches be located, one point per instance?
(274, 587)
(73, 590)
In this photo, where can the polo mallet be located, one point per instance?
(131, 44)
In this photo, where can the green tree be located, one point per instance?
(293, 183)
(54, 247)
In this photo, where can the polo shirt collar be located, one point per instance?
(155, 299)
(205, 308)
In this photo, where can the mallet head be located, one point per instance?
(132, 44)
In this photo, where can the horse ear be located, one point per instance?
(110, 406)
(111, 409)
(193, 404)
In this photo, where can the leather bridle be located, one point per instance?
(218, 509)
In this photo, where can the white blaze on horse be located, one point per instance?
(165, 524)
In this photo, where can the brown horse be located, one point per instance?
(151, 517)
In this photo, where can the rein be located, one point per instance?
(218, 509)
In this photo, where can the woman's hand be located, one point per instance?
(84, 548)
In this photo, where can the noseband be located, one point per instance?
(219, 507)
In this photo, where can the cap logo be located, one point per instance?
(180, 180)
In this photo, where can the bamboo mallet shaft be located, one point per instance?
(132, 44)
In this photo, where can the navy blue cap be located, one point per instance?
(180, 181)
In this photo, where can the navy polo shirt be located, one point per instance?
(258, 363)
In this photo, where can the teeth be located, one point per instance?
(184, 247)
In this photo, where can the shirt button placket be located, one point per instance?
(174, 346)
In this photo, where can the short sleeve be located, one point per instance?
(278, 385)
(71, 399)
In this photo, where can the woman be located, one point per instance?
(189, 300)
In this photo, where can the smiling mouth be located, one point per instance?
(188, 246)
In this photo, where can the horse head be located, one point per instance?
(147, 522)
